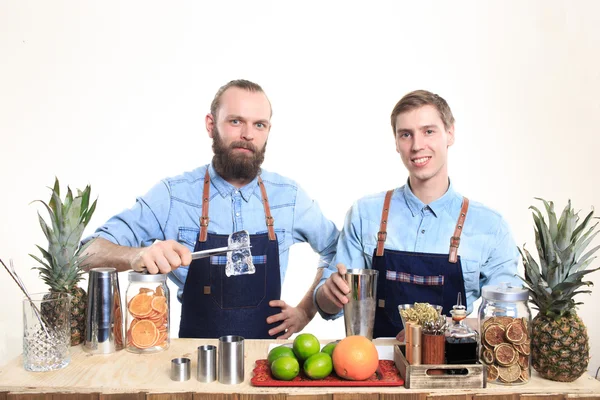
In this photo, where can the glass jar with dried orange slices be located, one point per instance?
(147, 313)
(505, 321)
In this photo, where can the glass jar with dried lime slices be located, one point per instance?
(147, 313)
(504, 322)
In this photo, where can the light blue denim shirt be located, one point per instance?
(172, 210)
(487, 250)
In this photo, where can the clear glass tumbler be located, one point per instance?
(46, 331)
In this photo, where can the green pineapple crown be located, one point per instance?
(62, 266)
(554, 282)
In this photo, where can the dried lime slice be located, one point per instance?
(505, 354)
(524, 376)
(524, 348)
(494, 334)
(487, 356)
(489, 321)
(514, 332)
(509, 374)
(505, 321)
(523, 361)
(492, 373)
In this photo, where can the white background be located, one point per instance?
(114, 94)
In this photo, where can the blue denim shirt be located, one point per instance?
(172, 210)
(487, 250)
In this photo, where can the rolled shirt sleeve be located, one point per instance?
(140, 225)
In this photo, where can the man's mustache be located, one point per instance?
(243, 145)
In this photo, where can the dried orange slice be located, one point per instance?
(159, 291)
(509, 374)
(492, 373)
(489, 321)
(523, 361)
(524, 377)
(494, 334)
(140, 305)
(505, 354)
(144, 334)
(514, 332)
(159, 304)
(487, 356)
(504, 321)
(524, 348)
(146, 290)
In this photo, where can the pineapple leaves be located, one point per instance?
(56, 190)
(63, 266)
(85, 197)
(581, 227)
(552, 224)
(553, 283)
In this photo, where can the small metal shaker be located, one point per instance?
(231, 359)
(104, 329)
(207, 364)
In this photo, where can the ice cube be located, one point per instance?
(239, 262)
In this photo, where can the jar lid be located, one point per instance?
(504, 292)
(135, 276)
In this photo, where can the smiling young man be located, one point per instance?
(428, 242)
(199, 209)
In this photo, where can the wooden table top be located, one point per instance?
(125, 372)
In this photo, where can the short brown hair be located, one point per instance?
(238, 83)
(420, 98)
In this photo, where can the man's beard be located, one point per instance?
(236, 165)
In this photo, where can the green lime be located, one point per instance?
(280, 351)
(285, 368)
(318, 366)
(305, 345)
(328, 348)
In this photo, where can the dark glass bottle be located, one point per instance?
(461, 341)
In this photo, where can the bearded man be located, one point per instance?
(199, 209)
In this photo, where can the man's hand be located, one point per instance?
(331, 296)
(294, 319)
(161, 257)
(400, 336)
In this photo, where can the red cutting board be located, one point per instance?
(391, 377)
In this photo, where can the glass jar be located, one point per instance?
(505, 326)
(147, 312)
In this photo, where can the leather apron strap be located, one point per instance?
(268, 218)
(204, 219)
(382, 234)
(455, 239)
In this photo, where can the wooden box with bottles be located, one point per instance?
(460, 376)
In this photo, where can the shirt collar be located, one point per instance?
(227, 189)
(416, 206)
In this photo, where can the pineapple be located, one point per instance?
(62, 265)
(559, 340)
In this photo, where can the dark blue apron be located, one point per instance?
(408, 277)
(215, 305)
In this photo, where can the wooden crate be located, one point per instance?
(416, 377)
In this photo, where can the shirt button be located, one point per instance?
(422, 230)
(237, 214)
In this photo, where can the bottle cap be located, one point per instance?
(459, 312)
